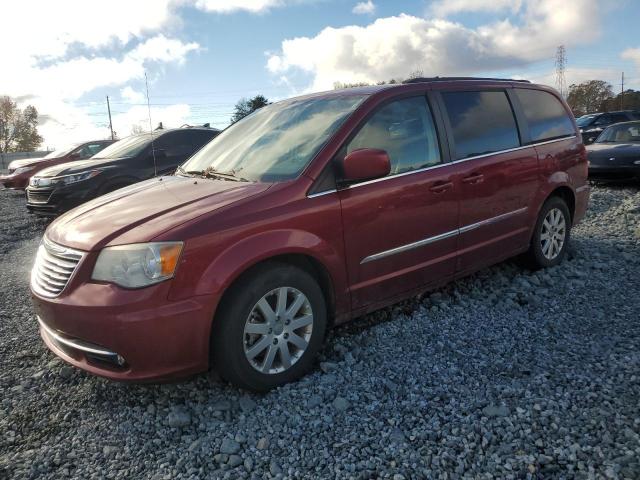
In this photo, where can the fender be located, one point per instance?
(230, 263)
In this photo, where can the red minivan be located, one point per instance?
(303, 215)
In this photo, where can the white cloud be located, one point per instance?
(162, 49)
(442, 8)
(393, 47)
(227, 6)
(364, 8)
(632, 54)
(131, 95)
(65, 56)
(170, 116)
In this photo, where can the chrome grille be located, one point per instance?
(53, 268)
(35, 196)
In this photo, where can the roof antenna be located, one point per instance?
(153, 148)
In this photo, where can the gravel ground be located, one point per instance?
(506, 374)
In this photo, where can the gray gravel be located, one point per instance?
(506, 374)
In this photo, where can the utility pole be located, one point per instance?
(622, 93)
(561, 63)
(110, 124)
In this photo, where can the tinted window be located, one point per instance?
(545, 114)
(176, 144)
(404, 129)
(482, 122)
(619, 117)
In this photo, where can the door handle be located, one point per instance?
(473, 178)
(440, 187)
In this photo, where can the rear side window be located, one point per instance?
(545, 115)
(405, 130)
(482, 122)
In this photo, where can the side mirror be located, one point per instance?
(365, 164)
(75, 156)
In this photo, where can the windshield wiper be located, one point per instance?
(184, 173)
(210, 172)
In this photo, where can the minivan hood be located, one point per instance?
(143, 211)
(77, 166)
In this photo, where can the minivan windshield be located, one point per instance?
(585, 120)
(274, 143)
(127, 147)
(621, 133)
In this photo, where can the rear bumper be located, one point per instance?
(128, 335)
(583, 194)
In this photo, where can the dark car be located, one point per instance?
(616, 152)
(305, 214)
(593, 124)
(131, 160)
(21, 170)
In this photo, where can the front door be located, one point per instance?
(400, 231)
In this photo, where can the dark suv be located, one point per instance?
(60, 188)
(593, 124)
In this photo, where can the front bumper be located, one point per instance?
(128, 335)
(57, 200)
(14, 182)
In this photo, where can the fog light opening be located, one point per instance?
(121, 361)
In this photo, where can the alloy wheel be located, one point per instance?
(553, 233)
(278, 330)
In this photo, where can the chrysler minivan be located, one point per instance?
(304, 215)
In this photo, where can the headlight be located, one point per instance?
(637, 162)
(20, 170)
(137, 265)
(63, 179)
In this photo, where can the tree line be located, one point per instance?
(597, 96)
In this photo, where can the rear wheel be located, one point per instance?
(269, 327)
(551, 234)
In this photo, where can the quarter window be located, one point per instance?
(405, 130)
(545, 115)
(482, 122)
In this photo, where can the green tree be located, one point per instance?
(18, 128)
(246, 106)
(589, 96)
(630, 100)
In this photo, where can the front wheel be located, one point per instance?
(269, 328)
(551, 235)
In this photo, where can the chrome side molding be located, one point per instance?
(441, 236)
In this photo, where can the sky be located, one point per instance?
(201, 56)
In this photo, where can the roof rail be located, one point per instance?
(447, 79)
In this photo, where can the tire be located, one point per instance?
(247, 348)
(545, 253)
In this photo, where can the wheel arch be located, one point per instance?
(568, 195)
(303, 261)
